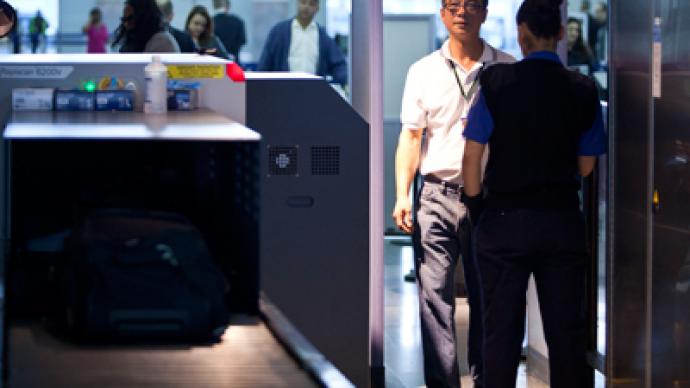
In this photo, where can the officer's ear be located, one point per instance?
(525, 38)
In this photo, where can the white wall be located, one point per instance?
(406, 38)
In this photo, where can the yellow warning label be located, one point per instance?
(196, 71)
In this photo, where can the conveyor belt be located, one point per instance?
(248, 356)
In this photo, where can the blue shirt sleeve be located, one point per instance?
(593, 142)
(480, 124)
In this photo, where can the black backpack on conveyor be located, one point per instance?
(136, 274)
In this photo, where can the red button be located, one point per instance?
(235, 72)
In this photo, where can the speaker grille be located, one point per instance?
(325, 160)
(282, 160)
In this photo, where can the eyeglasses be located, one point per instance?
(469, 6)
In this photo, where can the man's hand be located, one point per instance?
(474, 205)
(406, 163)
(402, 214)
(472, 176)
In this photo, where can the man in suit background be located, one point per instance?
(300, 44)
(229, 28)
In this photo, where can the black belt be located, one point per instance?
(434, 179)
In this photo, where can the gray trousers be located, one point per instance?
(441, 237)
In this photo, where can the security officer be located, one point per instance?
(543, 125)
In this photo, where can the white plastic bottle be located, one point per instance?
(156, 75)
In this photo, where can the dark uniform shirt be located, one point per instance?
(230, 30)
(531, 164)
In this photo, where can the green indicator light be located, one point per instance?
(90, 86)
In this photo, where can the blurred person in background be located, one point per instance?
(182, 38)
(601, 16)
(301, 45)
(229, 28)
(142, 29)
(96, 32)
(199, 26)
(37, 31)
(579, 52)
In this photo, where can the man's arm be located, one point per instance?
(592, 143)
(406, 164)
(337, 65)
(480, 126)
(586, 164)
(472, 168)
(477, 133)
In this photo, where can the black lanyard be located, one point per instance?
(473, 87)
(475, 84)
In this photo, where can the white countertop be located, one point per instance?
(198, 125)
(69, 59)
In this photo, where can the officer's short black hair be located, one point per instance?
(543, 17)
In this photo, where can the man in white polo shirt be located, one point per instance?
(439, 91)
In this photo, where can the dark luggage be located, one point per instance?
(142, 275)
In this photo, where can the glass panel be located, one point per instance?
(587, 37)
(588, 41)
(602, 247)
(670, 342)
(630, 99)
(599, 41)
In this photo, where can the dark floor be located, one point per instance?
(247, 356)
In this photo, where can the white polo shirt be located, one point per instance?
(304, 48)
(432, 101)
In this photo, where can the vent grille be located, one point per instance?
(282, 160)
(325, 160)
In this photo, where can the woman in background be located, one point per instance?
(578, 51)
(96, 32)
(199, 26)
(142, 29)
